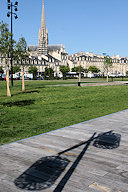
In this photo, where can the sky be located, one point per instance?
(98, 26)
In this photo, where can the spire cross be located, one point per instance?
(43, 18)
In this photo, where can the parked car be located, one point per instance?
(120, 75)
(16, 77)
(4, 77)
(112, 75)
(28, 76)
(40, 77)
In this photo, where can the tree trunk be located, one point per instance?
(107, 75)
(7, 80)
(64, 75)
(79, 77)
(23, 84)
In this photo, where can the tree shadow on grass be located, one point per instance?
(44, 172)
(31, 91)
(41, 87)
(19, 103)
(26, 91)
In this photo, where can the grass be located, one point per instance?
(44, 108)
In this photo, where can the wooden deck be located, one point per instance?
(88, 157)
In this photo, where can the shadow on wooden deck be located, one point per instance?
(43, 173)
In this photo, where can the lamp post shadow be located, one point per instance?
(44, 172)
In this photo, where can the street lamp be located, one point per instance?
(10, 13)
(79, 81)
(104, 54)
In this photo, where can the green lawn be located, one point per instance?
(44, 108)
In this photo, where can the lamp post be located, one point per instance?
(79, 81)
(10, 13)
(104, 54)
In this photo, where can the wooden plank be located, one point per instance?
(107, 168)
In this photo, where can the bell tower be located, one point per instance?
(43, 36)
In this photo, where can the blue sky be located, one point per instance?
(99, 26)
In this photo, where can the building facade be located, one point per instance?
(119, 64)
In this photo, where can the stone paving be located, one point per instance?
(105, 84)
(91, 156)
(83, 84)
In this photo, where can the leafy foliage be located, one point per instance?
(21, 50)
(49, 73)
(63, 70)
(86, 70)
(5, 40)
(33, 70)
(6, 49)
(1, 70)
(107, 62)
(93, 69)
(79, 69)
(16, 69)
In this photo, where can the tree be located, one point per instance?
(107, 64)
(5, 49)
(93, 69)
(49, 73)
(64, 69)
(74, 69)
(33, 70)
(20, 54)
(86, 70)
(16, 69)
(1, 70)
(78, 69)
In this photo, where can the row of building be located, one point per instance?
(45, 55)
(87, 59)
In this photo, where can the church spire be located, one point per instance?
(43, 18)
(43, 36)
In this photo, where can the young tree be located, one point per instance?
(1, 70)
(5, 49)
(49, 73)
(20, 54)
(77, 69)
(86, 70)
(107, 64)
(16, 69)
(33, 70)
(63, 70)
(93, 69)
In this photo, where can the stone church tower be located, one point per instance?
(43, 36)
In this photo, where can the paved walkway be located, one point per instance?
(94, 84)
(105, 83)
(88, 157)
